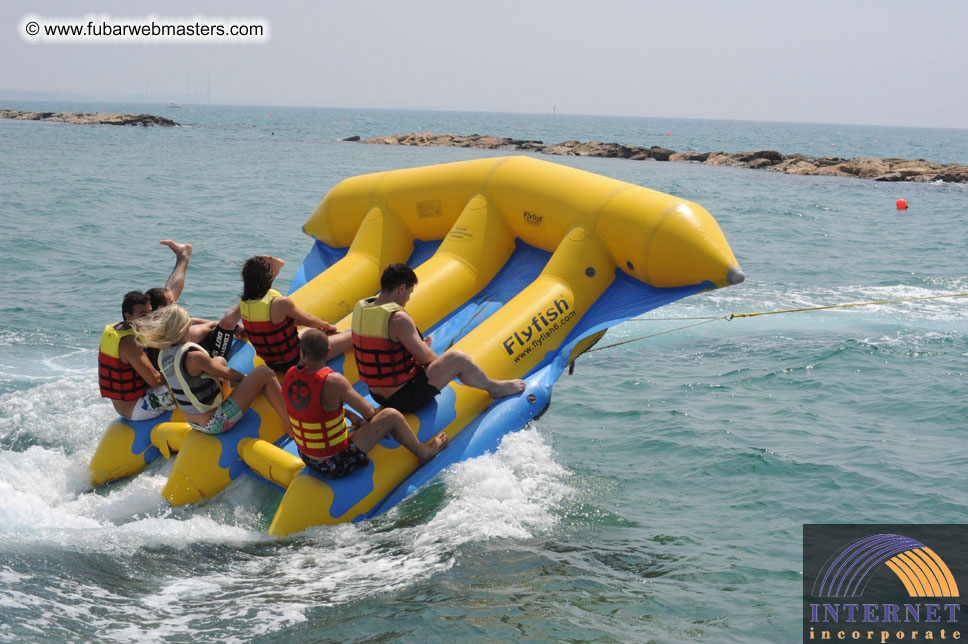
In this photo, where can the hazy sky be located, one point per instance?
(883, 62)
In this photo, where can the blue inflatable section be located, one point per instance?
(624, 299)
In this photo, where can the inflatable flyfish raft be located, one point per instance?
(522, 264)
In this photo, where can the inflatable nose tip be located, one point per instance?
(735, 276)
(181, 490)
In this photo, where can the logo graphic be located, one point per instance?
(298, 394)
(533, 218)
(919, 568)
(883, 583)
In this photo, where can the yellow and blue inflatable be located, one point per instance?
(523, 264)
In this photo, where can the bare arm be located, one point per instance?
(404, 331)
(283, 307)
(344, 392)
(231, 317)
(275, 264)
(199, 362)
(131, 352)
(176, 281)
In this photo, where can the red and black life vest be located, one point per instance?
(277, 344)
(381, 362)
(118, 380)
(318, 433)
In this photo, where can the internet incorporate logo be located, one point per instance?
(919, 568)
(909, 591)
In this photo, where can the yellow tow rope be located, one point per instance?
(841, 306)
(730, 316)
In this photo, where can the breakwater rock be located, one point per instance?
(87, 118)
(770, 160)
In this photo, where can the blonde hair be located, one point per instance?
(162, 328)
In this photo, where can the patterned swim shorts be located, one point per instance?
(224, 419)
(338, 465)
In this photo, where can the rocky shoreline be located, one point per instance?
(87, 118)
(864, 167)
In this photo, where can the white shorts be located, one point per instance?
(155, 402)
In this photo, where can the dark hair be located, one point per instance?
(396, 275)
(256, 278)
(131, 300)
(158, 297)
(315, 344)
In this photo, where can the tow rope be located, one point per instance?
(731, 316)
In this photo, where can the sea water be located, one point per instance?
(660, 499)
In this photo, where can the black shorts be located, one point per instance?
(283, 367)
(338, 465)
(410, 397)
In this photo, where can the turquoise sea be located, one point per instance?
(660, 499)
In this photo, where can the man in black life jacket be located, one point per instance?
(315, 396)
(398, 366)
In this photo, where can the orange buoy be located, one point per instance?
(668, 133)
(901, 204)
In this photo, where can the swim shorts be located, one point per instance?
(412, 396)
(283, 367)
(339, 464)
(155, 402)
(224, 419)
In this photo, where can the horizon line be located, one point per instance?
(161, 102)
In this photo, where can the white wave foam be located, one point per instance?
(45, 502)
(49, 358)
(34, 487)
(68, 412)
(512, 493)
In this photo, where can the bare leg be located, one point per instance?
(339, 343)
(176, 281)
(390, 421)
(457, 364)
(262, 379)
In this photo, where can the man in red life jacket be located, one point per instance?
(315, 395)
(125, 374)
(398, 366)
(270, 319)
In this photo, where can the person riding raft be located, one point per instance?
(315, 397)
(397, 364)
(270, 318)
(194, 377)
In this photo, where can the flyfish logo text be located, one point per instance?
(533, 218)
(542, 326)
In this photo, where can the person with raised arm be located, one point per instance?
(271, 319)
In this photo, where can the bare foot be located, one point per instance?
(182, 250)
(438, 443)
(503, 388)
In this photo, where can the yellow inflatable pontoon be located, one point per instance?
(522, 264)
